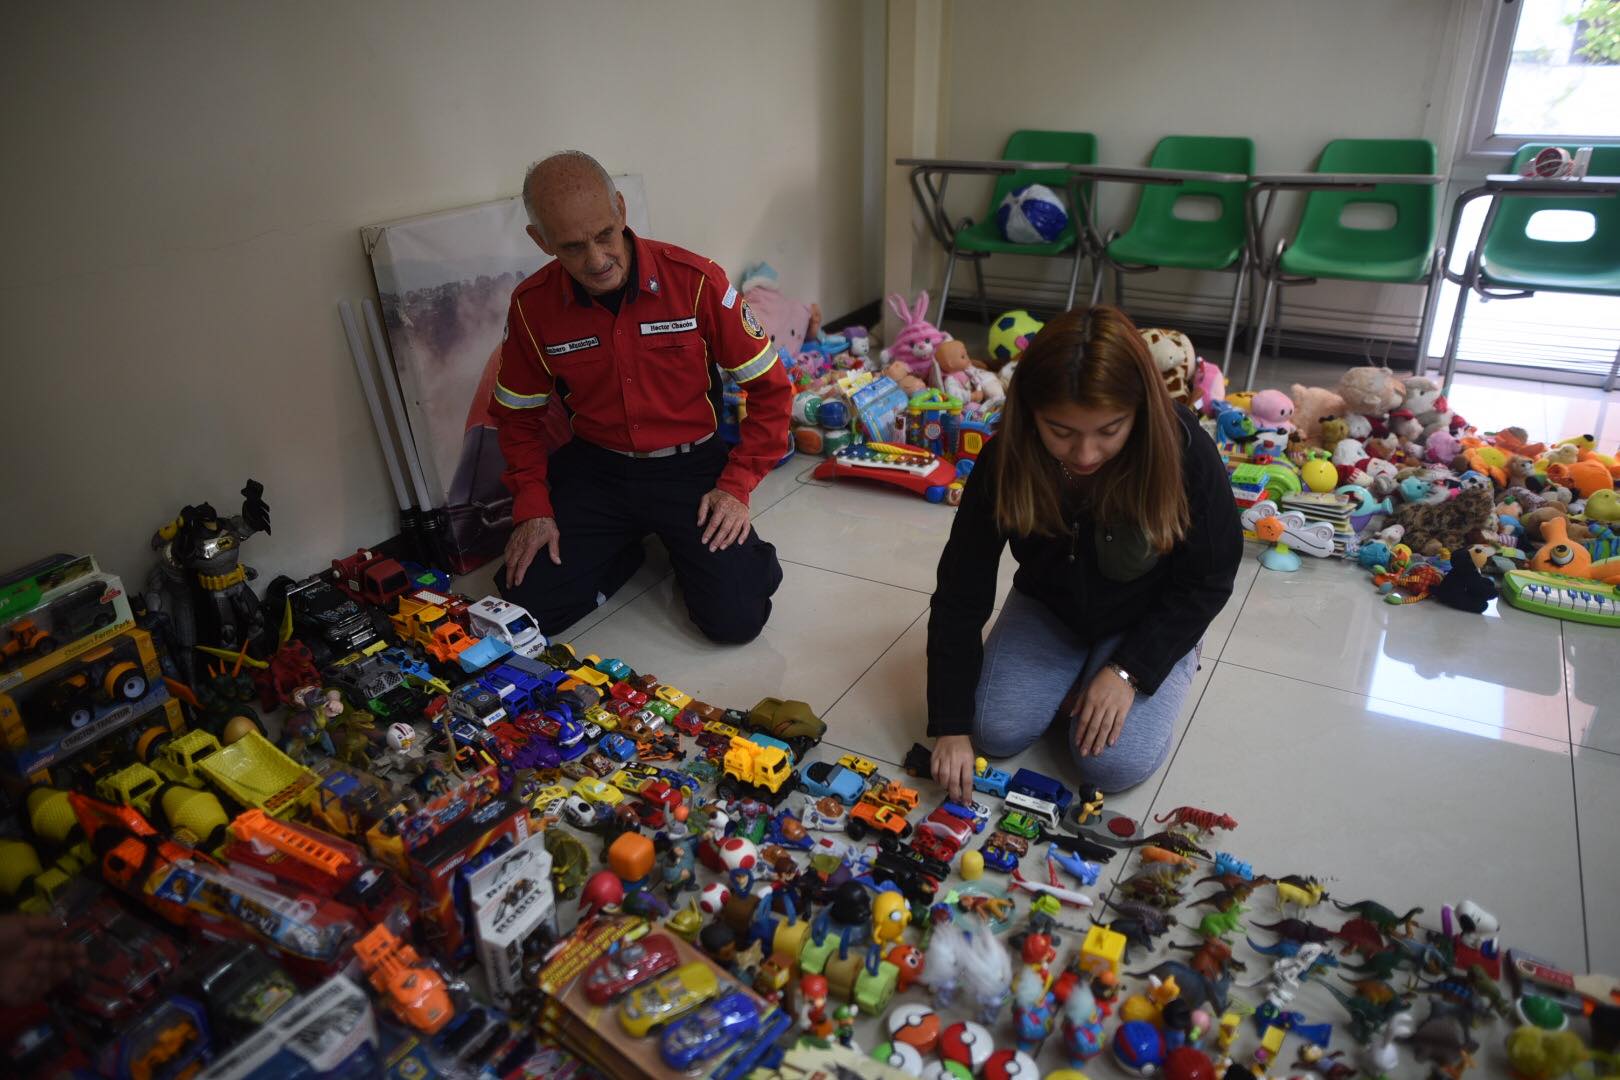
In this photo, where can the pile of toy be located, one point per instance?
(1381, 471)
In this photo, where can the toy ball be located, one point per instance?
(899, 1056)
(972, 867)
(1188, 1063)
(1033, 214)
(966, 1043)
(1011, 333)
(1010, 1065)
(1138, 1047)
(916, 1026)
(400, 736)
(738, 853)
(1319, 474)
(945, 1070)
(833, 414)
(604, 889)
(713, 898)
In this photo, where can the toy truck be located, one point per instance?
(430, 628)
(882, 809)
(363, 678)
(329, 621)
(370, 578)
(506, 622)
(251, 771)
(756, 771)
(791, 721)
(522, 684)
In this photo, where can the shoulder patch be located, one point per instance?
(750, 323)
(730, 298)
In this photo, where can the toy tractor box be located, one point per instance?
(595, 1033)
(81, 700)
(330, 1032)
(514, 914)
(54, 610)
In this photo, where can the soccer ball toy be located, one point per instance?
(1010, 334)
(1033, 214)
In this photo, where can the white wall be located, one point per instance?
(184, 184)
(1291, 74)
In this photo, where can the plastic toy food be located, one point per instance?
(710, 1030)
(413, 991)
(671, 996)
(630, 965)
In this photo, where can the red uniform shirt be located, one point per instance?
(644, 379)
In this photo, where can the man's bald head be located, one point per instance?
(577, 215)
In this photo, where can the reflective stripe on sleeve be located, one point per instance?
(514, 400)
(756, 367)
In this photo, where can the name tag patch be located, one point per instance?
(671, 326)
(730, 298)
(573, 346)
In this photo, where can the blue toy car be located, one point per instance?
(407, 663)
(991, 781)
(620, 748)
(1002, 851)
(710, 1030)
(824, 778)
(1040, 786)
(975, 814)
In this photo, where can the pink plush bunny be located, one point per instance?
(914, 345)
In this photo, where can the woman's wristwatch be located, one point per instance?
(1130, 680)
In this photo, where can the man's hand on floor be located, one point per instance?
(726, 517)
(527, 538)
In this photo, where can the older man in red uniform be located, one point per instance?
(630, 336)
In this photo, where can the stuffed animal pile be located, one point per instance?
(1422, 486)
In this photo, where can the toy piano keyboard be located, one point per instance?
(930, 476)
(1577, 599)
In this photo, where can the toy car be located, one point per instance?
(599, 765)
(868, 815)
(710, 1030)
(866, 768)
(549, 799)
(620, 748)
(1040, 786)
(1003, 850)
(582, 813)
(1020, 824)
(599, 717)
(678, 699)
(975, 813)
(688, 722)
(614, 668)
(935, 846)
(991, 781)
(126, 962)
(623, 691)
(671, 996)
(598, 791)
(632, 964)
(661, 792)
(662, 709)
(823, 778)
(944, 824)
(791, 721)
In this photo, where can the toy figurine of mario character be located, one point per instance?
(813, 1018)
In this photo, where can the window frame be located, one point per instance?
(1484, 140)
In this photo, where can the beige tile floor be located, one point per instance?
(1414, 754)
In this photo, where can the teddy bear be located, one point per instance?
(1173, 354)
(1370, 391)
(1441, 447)
(1312, 405)
(1424, 400)
(900, 373)
(1330, 429)
(977, 389)
(1360, 426)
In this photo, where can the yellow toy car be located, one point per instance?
(672, 996)
(549, 799)
(678, 698)
(863, 767)
(589, 787)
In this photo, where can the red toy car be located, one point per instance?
(934, 845)
(689, 723)
(623, 691)
(128, 962)
(631, 964)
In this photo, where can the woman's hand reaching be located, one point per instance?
(953, 766)
(1100, 710)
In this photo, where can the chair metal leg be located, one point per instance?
(1097, 282)
(1260, 332)
(1074, 277)
(1448, 362)
(1276, 327)
(1242, 276)
(1614, 369)
(978, 278)
(1431, 301)
(945, 289)
(1119, 289)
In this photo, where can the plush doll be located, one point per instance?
(1442, 448)
(1360, 426)
(1586, 477)
(977, 389)
(915, 343)
(1331, 430)
(859, 355)
(1466, 588)
(1211, 386)
(1421, 395)
(1447, 525)
(1312, 405)
(1515, 440)
(1561, 553)
(789, 323)
(1176, 360)
(1370, 391)
(1272, 409)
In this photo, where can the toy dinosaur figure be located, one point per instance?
(1220, 923)
(1154, 919)
(1360, 935)
(1487, 988)
(1414, 582)
(1380, 965)
(1225, 900)
(1286, 947)
(1234, 881)
(1444, 1042)
(1298, 930)
(1157, 893)
(1376, 991)
(1382, 917)
(1162, 874)
(1169, 839)
(1300, 891)
(1195, 988)
(1367, 1018)
(1212, 958)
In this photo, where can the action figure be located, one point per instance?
(201, 550)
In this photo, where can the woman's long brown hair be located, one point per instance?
(1094, 358)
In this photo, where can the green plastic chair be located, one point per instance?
(1512, 264)
(1324, 247)
(1157, 237)
(978, 240)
